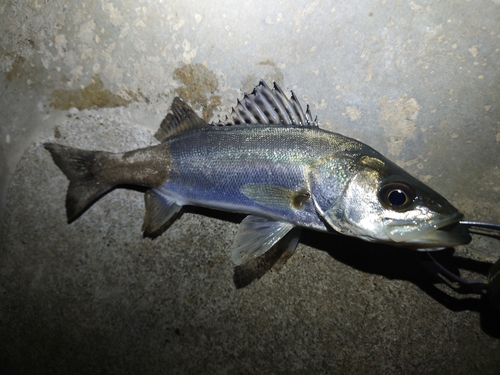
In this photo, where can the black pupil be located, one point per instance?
(397, 198)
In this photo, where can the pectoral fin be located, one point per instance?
(159, 209)
(255, 236)
(275, 196)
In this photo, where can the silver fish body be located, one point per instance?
(258, 170)
(273, 163)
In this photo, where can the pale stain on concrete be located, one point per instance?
(198, 87)
(93, 95)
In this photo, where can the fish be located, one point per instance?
(269, 160)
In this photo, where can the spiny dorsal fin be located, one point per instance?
(269, 106)
(181, 118)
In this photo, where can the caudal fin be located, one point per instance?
(80, 167)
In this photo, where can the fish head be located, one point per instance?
(383, 203)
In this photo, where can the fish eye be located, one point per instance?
(396, 195)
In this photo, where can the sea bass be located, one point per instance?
(269, 160)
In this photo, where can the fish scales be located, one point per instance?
(210, 166)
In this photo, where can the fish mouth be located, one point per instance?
(433, 234)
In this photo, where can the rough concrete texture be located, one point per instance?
(417, 80)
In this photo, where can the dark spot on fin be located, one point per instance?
(269, 106)
(79, 166)
(299, 198)
(181, 118)
(276, 196)
(159, 209)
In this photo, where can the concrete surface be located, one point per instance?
(417, 80)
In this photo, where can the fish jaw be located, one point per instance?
(432, 235)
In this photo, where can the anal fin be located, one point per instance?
(159, 209)
(255, 236)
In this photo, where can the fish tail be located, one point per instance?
(80, 167)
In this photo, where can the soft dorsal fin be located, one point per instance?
(181, 118)
(269, 106)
